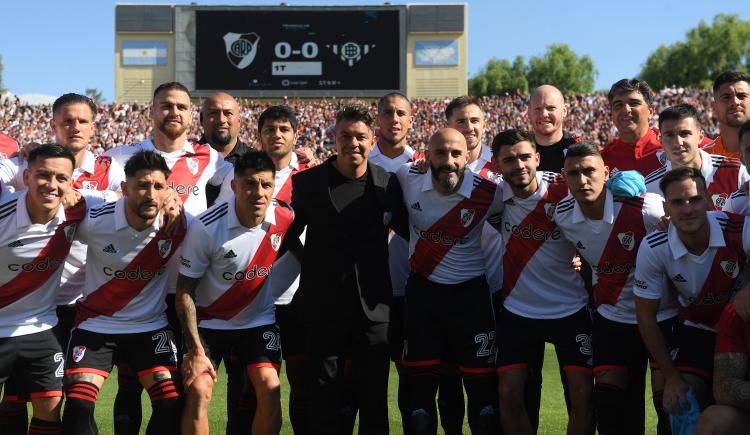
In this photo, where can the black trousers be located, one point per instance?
(329, 343)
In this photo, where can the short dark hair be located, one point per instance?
(281, 112)
(462, 101)
(257, 161)
(511, 137)
(382, 99)
(680, 174)
(146, 160)
(583, 149)
(631, 85)
(730, 77)
(679, 112)
(355, 113)
(171, 86)
(51, 151)
(744, 129)
(72, 98)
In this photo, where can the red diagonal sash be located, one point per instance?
(724, 182)
(428, 254)
(99, 180)
(242, 293)
(116, 294)
(519, 250)
(726, 267)
(188, 170)
(617, 261)
(50, 258)
(285, 193)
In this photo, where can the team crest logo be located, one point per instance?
(78, 352)
(192, 165)
(549, 210)
(241, 48)
(70, 232)
(467, 216)
(276, 241)
(165, 247)
(662, 156)
(730, 267)
(351, 52)
(89, 184)
(627, 240)
(719, 200)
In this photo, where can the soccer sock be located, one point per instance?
(127, 407)
(167, 408)
(662, 423)
(43, 427)
(423, 386)
(78, 416)
(403, 395)
(13, 417)
(610, 403)
(298, 412)
(244, 414)
(235, 385)
(451, 403)
(482, 397)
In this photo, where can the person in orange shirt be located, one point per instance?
(732, 106)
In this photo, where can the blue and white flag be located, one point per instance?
(144, 53)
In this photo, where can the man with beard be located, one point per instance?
(732, 106)
(547, 112)
(448, 308)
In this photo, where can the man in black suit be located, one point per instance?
(345, 287)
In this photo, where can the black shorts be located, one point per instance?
(175, 325)
(255, 347)
(395, 329)
(519, 337)
(32, 363)
(143, 352)
(66, 315)
(292, 332)
(456, 319)
(617, 344)
(694, 351)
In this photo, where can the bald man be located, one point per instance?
(448, 307)
(547, 111)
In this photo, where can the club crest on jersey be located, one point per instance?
(549, 209)
(78, 352)
(192, 165)
(89, 184)
(165, 247)
(662, 156)
(70, 232)
(466, 216)
(627, 240)
(241, 48)
(731, 268)
(276, 241)
(719, 199)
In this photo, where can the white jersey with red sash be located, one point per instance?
(33, 256)
(610, 246)
(483, 165)
(126, 272)
(234, 264)
(723, 175)
(738, 203)
(705, 282)
(193, 166)
(445, 230)
(538, 279)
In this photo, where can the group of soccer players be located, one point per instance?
(167, 258)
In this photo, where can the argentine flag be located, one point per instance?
(144, 52)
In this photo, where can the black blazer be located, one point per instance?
(343, 261)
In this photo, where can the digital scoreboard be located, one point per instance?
(359, 51)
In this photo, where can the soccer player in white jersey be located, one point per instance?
(448, 302)
(544, 299)
(702, 255)
(681, 136)
(607, 230)
(466, 115)
(122, 311)
(738, 201)
(224, 303)
(35, 238)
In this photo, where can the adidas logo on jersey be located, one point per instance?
(230, 254)
(579, 245)
(678, 278)
(416, 206)
(110, 249)
(16, 244)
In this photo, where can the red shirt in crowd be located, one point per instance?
(8, 146)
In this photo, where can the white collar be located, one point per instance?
(609, 210)
(409, 151)
(22, 213)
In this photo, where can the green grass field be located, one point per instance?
(553, 416)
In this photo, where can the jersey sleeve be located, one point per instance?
(196, 251)
(730, 334)
(495, 212)
(492, 247)
(121, 153)
(649, 276)
(116, 176)
(95, 198)
(653, 211)
(11, 174)
(222, 170)
(738, 203)
(746, 237)
(226, 193)
(743, 177)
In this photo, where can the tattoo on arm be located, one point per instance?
(185, 307)
(730, 387)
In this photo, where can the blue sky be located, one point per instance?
(53, 47)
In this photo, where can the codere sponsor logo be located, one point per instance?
(43, 265)
(254, 272)
(137, 274)
(185, 189)
(611, 268)
(529, 232)
(440, 237)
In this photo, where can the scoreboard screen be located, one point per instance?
(298, 50)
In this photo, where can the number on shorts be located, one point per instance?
(165, 344)
(274, 340)
(58, 358)
(585, 340)
(486, 343)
